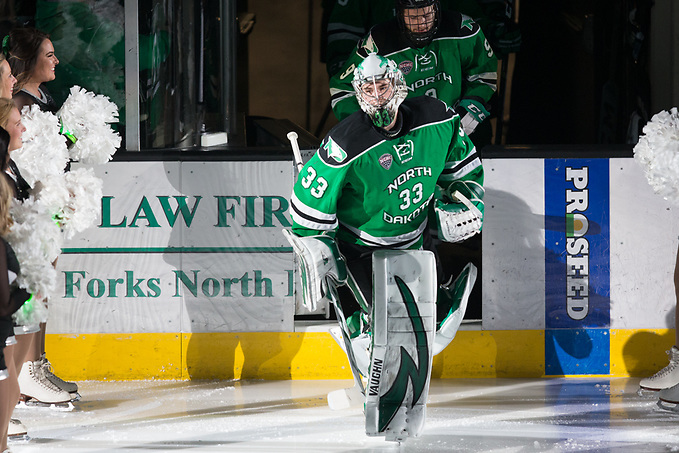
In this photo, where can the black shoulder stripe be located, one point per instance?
(353, 135)
(456, 25)
(423, 110)
(466, 161)
(385, 38)
(309, 218)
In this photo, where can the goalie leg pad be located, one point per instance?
(319, 259)
(459, 292)
(404, 313)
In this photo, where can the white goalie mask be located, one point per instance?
(380, 88)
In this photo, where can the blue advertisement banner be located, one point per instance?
(577, 266)
(577, 243)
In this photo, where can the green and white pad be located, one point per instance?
(459, 292)
(320, 264)
(404, 317)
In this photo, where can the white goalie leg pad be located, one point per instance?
(462, 287)
(404, 314)
(360, 345)
(319, 259)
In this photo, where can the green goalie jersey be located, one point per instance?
(458, 67)
(375, 191)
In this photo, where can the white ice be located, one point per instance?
(464, 415)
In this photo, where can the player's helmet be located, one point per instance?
(380, 88)
(409, 23)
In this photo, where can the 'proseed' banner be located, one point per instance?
(577, 266)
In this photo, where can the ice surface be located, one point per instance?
(463, 415)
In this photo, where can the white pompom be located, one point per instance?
(37, 242)
(44, 151)
(658, 153)
(88, 117)
(83, 207)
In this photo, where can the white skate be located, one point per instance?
(16, 431)
(37, 391)
(70, 387)
(664, 379)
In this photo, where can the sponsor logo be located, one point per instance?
(405, 151)
(405, 67)
(165, 211)
(577, 245)
(426, 61)
(375, 375)
(386, 160)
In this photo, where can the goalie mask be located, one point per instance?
(418, 20)
(380, 89)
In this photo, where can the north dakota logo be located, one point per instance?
(334, 150)
(405, 151)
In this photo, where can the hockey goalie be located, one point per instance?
(362, 210)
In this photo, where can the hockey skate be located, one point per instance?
(70, 387)
(38, 391)
(354, 396)
(457, 295)
(16, 431)
(664, 379)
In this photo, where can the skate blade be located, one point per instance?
(75, 397)
(345, 398)
(19, 438)
(34, 404)
(644, 392)
(668, 406)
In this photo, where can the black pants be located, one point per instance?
(359, 263)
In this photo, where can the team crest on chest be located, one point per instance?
(426, 61)
(405, 151)
(405, 67)
(386, 160)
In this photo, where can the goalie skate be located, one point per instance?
(354, 396)
(404, 312)
(343, 338)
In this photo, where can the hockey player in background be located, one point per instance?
(375, 182)
(442, 54)
(350, 20)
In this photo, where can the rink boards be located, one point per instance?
(188, 276)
